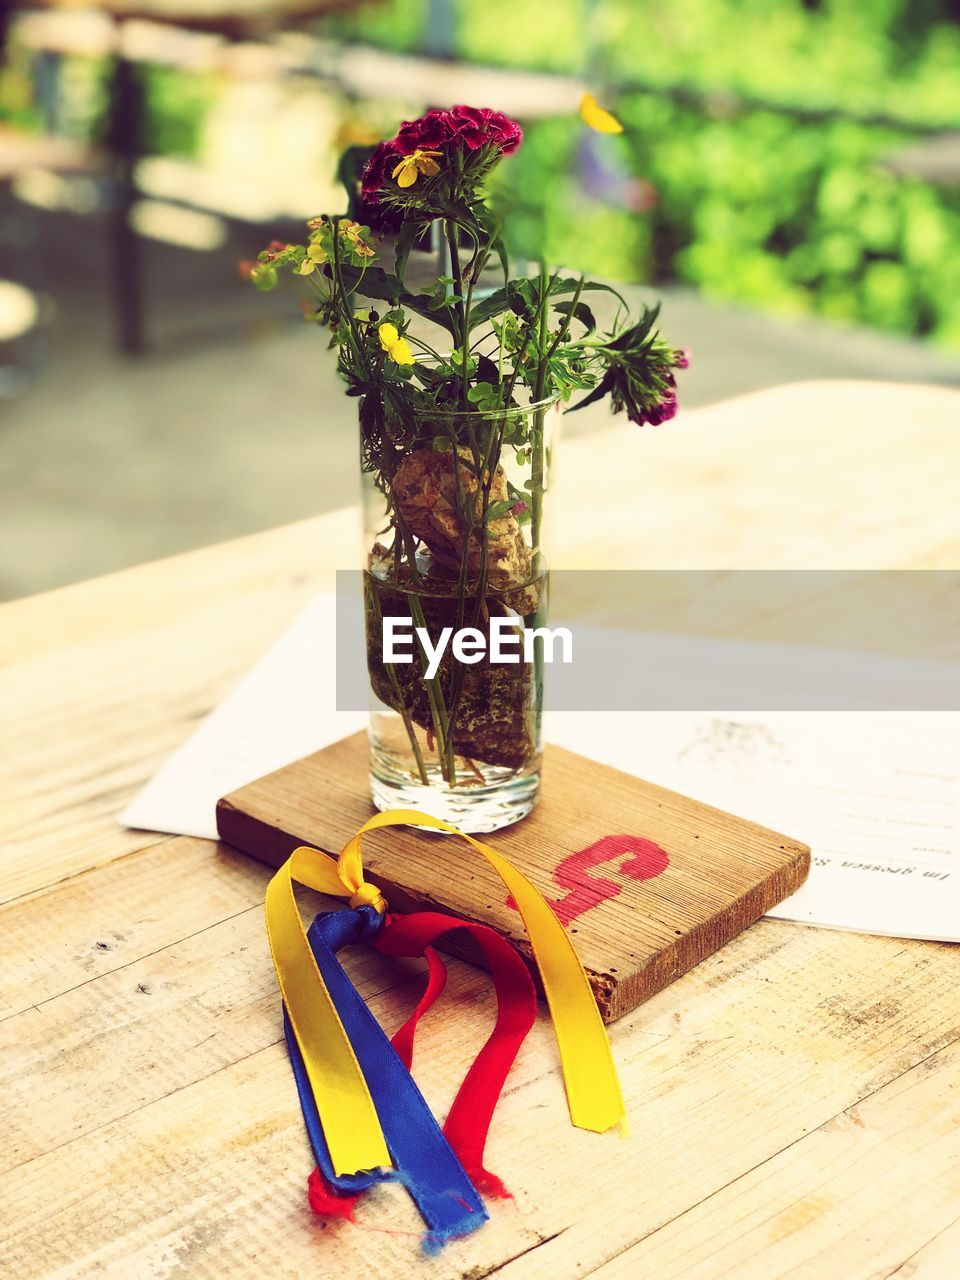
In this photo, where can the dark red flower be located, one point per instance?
(461, 126)
(470, 125)
(427, 133)
(506, 133)
(378, 168)
(479, 126)
(657, 414)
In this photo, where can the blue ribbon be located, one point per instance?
(425, 1162)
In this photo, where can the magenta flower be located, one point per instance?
(657, 414)
(470, 126)
(462, 127)
(425, 134)
(505, 133)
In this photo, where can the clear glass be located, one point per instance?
(452, 546)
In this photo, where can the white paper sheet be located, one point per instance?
(281, 710)
(875, 794)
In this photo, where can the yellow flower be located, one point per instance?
(415, 163)
(316, 256)
(593, 115)
(352, 231)
(397, 348)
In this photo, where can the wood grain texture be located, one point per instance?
(171, 1143)
(878, 1175)
(113, 916)
(791, 1098)
(99, 682)
(723, 872)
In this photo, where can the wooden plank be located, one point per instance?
(134, 1035)
(856, 1198)
(634, 935)
(934, 1260)
(90, 707)
(814, 475)
(108, 918)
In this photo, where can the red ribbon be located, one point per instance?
(468, 1122)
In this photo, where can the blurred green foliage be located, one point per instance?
(750, 206)
(893, 58)
(896, 58)
(390, 24)
(176, 103)
(18, 106)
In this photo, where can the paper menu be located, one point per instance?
(875, 794)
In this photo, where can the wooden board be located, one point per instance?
(641, 910)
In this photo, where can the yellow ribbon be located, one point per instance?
(350, 1124)
(349, 1118)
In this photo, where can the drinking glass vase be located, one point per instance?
(454, 523)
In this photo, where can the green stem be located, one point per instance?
(450, 230)
(536, 461)
(424, 346)
(565, 326)
(345, 306)
(402, 708)
(540, 321)
(438, 708)
(491, 460)
(409, 544)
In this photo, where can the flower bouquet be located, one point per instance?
(460, 384)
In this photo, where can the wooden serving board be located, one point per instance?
(646, 882)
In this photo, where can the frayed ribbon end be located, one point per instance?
(328, 1203)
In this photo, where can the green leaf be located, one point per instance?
(372, 283)
(497, 510)
(377, 283)
(430, 377)
(579, 312)
(637, 334)
(501, 300)
(487, 371)
(526, 292)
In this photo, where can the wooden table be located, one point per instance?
(794, 1101)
